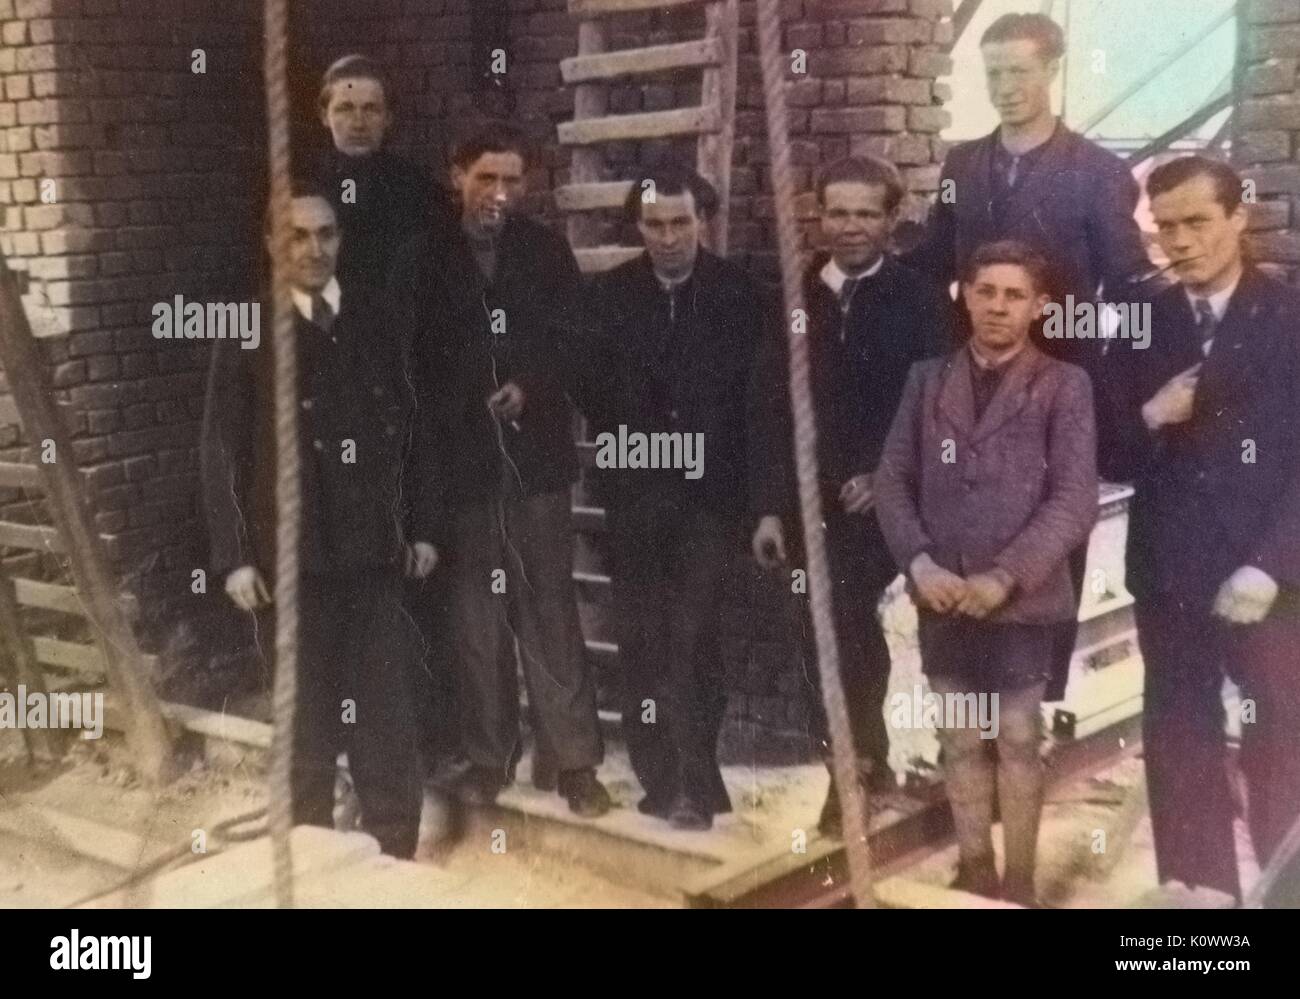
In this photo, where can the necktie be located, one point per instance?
(847, 289)
(321, 313)
(1206, 323)
(1012, 171)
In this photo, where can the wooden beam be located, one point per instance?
(15, 476)
(594, 259)
(643, 125)
(19, 661)
(611, 8)
(29, 383)
(591, 197)
(713, 157)
(31, 536)
(651, 59)
(48, 596)
(79, 657)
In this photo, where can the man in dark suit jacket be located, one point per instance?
(869, 320)
(489, 304)
(381, 199)
(1034, 181)
(987, 482)
(675, 331)
(1209, 431)
(367, 482)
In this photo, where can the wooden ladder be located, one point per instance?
(113, 656)
(594, 68)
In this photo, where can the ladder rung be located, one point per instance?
(49, 596)
(604, 650)
(8, 410)
(594, 259)
(651, 59)
(609, 8)
(18, 476)
(589, 197)
(70, 655)
(41, 539)
(643, 125)
(588, 519)
(593, 587)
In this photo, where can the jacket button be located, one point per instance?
(318, 445)
(378, 390)
(306, 404)
(390, 431)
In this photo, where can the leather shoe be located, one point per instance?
(481, 786)
(978, 877)
(584, 793)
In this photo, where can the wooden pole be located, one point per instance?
(146, 732)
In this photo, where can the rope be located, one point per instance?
(288, 500)
(845, 772)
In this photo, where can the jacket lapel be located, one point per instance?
(1229, 365)
(1012, 392)
(956, 397)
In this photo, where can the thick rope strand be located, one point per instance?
(287, 497)
(805, 447)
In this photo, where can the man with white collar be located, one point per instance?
(367, 487)
(869, 319)
(1207, 430)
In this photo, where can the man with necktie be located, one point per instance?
(869, 320)
(1207, 428)
(366, 485)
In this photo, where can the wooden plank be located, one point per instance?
(586, 164)
(30, 536)
(611, 8)
(49, 596)
(78, 656)
(18, 658)
(651, 59)
(718, 93)
(16, 476)
(29, 383)
(588, 519)
(592, 260)
(643, 125)
(591, 197)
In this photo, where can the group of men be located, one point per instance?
(446, 341)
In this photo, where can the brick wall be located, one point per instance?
(158, 174)
(150, 165)
(1266, 126)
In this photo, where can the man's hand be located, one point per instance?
(421, 559)
(246, 588)
(507, 402)
(985, 593)
(937, 588)
(856, 495)
(1246, 596)
(1173, 403)
(769, 543)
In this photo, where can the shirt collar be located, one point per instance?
(834, 277)
(982, 365)
(1218, 301)
(332, 294)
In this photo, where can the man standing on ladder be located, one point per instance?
(362, 459)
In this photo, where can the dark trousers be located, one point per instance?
(670, 562)
(860, 572)
(355, 643)
(1066, 634)
(531, 539)
(1186, 654)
